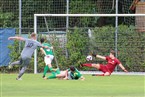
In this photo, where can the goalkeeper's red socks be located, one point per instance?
(87, 64)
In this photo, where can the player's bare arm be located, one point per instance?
(98, 56)
(42, 50)
(66, 75)
(122, 67)
(51, 47)
(16, 38)
(101, 57)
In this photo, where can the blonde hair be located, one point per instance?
(33, 34)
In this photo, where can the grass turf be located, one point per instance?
(33, 85)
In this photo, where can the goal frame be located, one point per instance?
(73, 15)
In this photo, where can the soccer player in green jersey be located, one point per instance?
(70, 74)
(73, 74)
(54, 74)
(49, 56)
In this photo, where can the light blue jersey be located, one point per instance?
(30, 46)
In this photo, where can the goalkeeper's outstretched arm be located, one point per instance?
(99, 56)
(122, 67)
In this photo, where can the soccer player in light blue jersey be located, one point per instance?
(26, 54)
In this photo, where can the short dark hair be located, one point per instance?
(72, 68)
(112, 52)
(42, 40)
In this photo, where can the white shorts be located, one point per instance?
(63, 73)
(69, 76)
(48, 59)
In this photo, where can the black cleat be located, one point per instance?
(43, 76)
(81, 65)
(93, 74)
(18, 79)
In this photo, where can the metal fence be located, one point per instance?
(19, 14)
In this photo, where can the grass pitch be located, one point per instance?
(33, 85)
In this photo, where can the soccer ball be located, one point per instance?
(89, 58)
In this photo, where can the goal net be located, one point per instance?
(104, 31)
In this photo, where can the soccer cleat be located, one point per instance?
(94, 75)
(81, 65)
(10, 66)
(43, 76)
(18, 79)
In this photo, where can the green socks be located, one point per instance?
(45, 70)
(51, 69)
(52, 76)
(58, 71)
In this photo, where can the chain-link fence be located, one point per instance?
(11, 11)
(130, 41)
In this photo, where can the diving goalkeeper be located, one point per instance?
(108, 68)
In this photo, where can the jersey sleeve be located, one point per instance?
(39, 44)
(25, 39)
(107, 58)
(43, 44)
(78, 73)
(68, 69)
(118, 62)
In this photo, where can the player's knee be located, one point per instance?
(93, 65)
(49, 65)
(96, 66)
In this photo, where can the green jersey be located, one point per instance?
(47, 51)
(75, 75)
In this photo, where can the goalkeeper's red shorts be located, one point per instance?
(104, 69)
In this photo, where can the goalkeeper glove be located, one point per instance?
(94, 55)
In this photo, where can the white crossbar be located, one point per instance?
(89, 15)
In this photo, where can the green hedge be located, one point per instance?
(131, 47)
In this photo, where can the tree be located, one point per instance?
(77, 46)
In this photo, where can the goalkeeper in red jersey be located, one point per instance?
(107, 69)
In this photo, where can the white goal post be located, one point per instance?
(74, 15)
